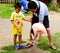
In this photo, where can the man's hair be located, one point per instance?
(28, 0)
(17, 5)
(32, 5)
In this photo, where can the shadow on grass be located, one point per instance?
(8, 52)
(10, 48)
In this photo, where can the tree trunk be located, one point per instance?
(54, 2)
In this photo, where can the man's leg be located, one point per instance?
(46, 24)
(50, 38)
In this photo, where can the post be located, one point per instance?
(15, 1)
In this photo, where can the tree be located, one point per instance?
(54, 2)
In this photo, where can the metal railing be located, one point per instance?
(9, 1)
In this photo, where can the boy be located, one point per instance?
(40, 14)
(17, 23)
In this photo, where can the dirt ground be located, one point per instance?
(6, 37)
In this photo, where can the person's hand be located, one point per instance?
(21, 24)
(30, 20)
(17, 25)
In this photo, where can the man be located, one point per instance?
(40, 14)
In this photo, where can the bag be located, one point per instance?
(38, 28)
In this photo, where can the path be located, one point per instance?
(32, 50)
(54, 21)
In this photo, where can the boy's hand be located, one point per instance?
(21, 24)
(17, 25)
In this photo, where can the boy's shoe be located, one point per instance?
(16, 47)
(22, 47)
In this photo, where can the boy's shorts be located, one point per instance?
(17, 31)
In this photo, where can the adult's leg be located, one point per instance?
(46, 24)
(50, 38)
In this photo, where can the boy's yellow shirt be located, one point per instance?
(17, 16)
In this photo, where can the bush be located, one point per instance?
(54, 8)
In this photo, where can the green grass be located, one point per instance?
(6, 14)
(10, 47)
(27, 14)
(6, 10)
(54, 8)
(22, 42)
(44, 43)
(8, 52)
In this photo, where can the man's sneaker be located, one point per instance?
(16, 47)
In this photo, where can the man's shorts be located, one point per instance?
(46, 21)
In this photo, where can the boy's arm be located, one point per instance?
(12, 19)
(26, 20)
(13, 22)
(30, 19)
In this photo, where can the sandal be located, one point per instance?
(29, 45)
(53, 47)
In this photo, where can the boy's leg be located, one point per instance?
(20, 39)
(14, 39)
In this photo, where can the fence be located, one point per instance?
(9, 1)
